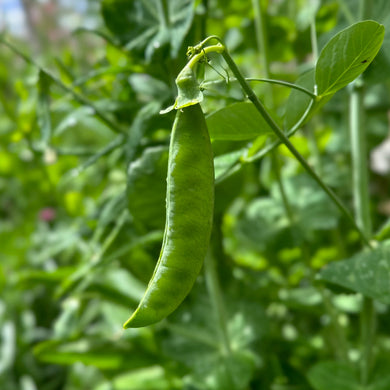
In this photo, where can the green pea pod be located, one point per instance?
(189, 212)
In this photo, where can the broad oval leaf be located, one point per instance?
(237, 122)
(347, 55)
(333, 375)
(367, 273)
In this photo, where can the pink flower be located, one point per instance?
(47, 214)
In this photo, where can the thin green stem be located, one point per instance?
(341, 349)
(313, 38)
(284, 83)
(362, 204)
(118, 141)
(340, 341)
(347, 12)
(362, 211)
(290, 133)
(311, 134)
(205, 4)
(93, 258)
(367, 335)
(261, 36)
(210, 38)
(163, 12)
(274, 126)
(262, 45)
(103, 71)
(359, 159)
(229, 172)
(286, 203)
(215, 293)
(219, 48)
(313, 147)
(264, 80)
(366, 9)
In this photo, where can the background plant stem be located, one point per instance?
(347, 12)
(362, 212)
(359, 158)
(313, 39)
(215, 293)
(362, 203)
(262, 46)
(285, 200)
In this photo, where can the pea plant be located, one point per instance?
(208, 175)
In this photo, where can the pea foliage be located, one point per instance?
(294, 291)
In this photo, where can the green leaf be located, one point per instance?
(264, 221)
(43, 108)
(298, 101)
(147, 25)
(225, 161)
(301, 297)
(89, 352)
(341, 376)
(149, 87)
(237, 122)
(118, 286)
(347, 55)
(32, 277)
(108, 293)
(146, 187)
(196, 342)
(141, 123)
(148, 378)
(381, 377)
(104, 361)
(333, 375)
(181, 14)
(312, 209)
(378, 71)
(367, 273)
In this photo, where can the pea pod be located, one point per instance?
(189, 212)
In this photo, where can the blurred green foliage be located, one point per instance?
(83, 151)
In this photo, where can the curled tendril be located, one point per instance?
(195, 50)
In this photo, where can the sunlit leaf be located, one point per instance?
(239, 121)
(347, 55)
